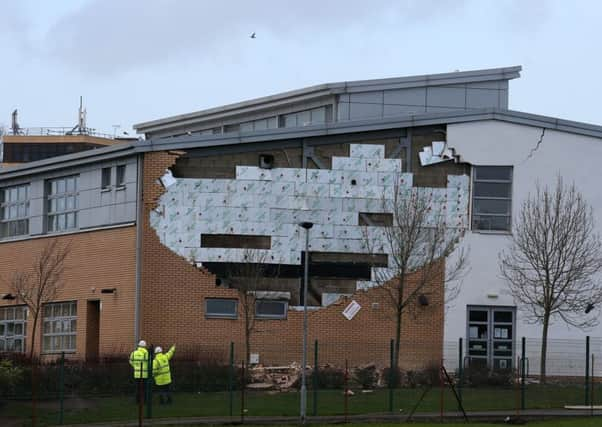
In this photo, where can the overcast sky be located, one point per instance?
(139, 60)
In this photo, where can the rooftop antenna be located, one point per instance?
(15, 123)
(81, 118)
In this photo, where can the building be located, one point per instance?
(156, 226)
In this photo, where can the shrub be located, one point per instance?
(328, 378)
(10, 376)
(428, 376)
(392, 377)
(366, 377)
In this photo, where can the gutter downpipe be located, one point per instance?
(139, 210)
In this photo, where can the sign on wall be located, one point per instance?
(351, 310)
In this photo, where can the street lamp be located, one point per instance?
(307, 225)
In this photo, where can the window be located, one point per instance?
(106, 179)
(491, 336)
(60, 326)
(13, 322)
(271, 309)
(221, 308)
(14, 211)
(120, 182)
(492, 198)
(62, 203)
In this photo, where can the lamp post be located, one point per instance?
(307, 225)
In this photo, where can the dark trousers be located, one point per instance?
(140, 390)
(164, 394)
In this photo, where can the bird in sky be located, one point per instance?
(252, 35)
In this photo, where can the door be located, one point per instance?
(92, 330)
(490, 332)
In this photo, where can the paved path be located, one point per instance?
(492, 416)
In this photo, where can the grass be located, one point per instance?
(329, 402)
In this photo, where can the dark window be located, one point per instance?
(62, 203)
(221, 308)
(492, 198)
(235, 241)
(106, 178)
(14, 211)
(270, 309)
(120, 182)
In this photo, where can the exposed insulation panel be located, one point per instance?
(272, 202)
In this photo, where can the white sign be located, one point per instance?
(351, 310)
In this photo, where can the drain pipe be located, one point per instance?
(139, 211)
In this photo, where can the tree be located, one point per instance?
(553, 259)
(248, 278)
(417, 240)
(41, 282)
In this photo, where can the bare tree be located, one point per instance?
(553, 260)
(41, 281)
(417, 240)
(248, 278)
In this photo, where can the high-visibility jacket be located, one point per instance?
(161, 367)
(139, 361)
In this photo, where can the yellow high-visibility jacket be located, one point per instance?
(139, 361)
(161, 367)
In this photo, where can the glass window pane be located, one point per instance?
(478, 316)
(491, 206)
(270, 308)
(60, 204)
(46, 344)
(491, 189)
(221, 307)
(502, 316)
(493, 223)
(60, 186)
(503, 173)
(18, 328)
(2, 330)
(73, 306)
(71, 220)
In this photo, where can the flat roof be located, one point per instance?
(328, 89)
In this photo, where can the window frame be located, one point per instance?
(223, 315)
(489, 357)
(509, 182)
(65, 195)
(7, 205)
(14, 320)
(59, 318)
(120, 181)
(104, 183)
(283, 316)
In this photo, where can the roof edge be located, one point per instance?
(311, 92)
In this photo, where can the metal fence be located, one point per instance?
(217, 381)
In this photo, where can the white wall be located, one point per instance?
(577, 158)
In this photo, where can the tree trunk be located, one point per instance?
(397, 341)
(544, 348)
(33, 336)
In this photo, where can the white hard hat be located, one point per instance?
(142, 343)
(158, 349)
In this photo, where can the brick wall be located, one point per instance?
(172, 310)
(98, 259)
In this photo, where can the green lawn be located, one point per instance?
(331, 402)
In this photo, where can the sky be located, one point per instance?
(140, 60)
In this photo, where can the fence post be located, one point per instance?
(242, 394)
(231, 379)
(391, 374)
(592, 387)
(587, 370)
(315, 379)
(523, 372)
(62, 388)
(460, 370)
(346, 390)
(149, 384)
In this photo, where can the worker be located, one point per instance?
(162, 374)
(139, 362)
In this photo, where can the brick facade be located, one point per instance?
(172, 310)
(97, 259)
